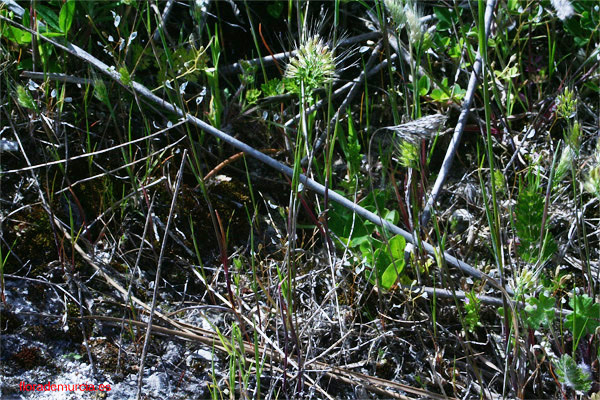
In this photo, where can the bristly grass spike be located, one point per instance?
(420, 129)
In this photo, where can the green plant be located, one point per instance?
(527, 281)
(565, 164)
(592, 180)
(73, 356)
(25, 98)
(408, 154)
(566, 104)
(530, 58)
(16, 35)
(273, 87)
(576, 377)
(51, 25)
(65, 17)
(212, 76)
(472, 306)
(585, 317)
(447, 94)
(540, 311)
(582, 29)
(384, 259)
(350, 143)
(187, 62)
(529, 214)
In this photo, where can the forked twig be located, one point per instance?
(157, 279)
(460, 126)
(133, 270)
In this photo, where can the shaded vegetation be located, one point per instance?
(280, 292)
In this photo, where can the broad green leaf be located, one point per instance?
(346, 226)
(65, 18)
(26, 19)
(457, 92)
(18, 35)
(396, 250)
(24, 98)
(397, 246)
(445, 16)
(424, 85)
(382, 261)
(439, 95)
(391, 273)
(378, 196)
(48, 15)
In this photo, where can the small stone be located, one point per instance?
(460, 220)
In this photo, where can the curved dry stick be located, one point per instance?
(460, 126)
(284, 169)
(230, 160)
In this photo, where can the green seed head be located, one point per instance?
(313, 65)
(409, 154)
(592, 183)
(566, 104)
(407, 14)
(527, 282)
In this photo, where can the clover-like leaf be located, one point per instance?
(540, 311)
(585, 317)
